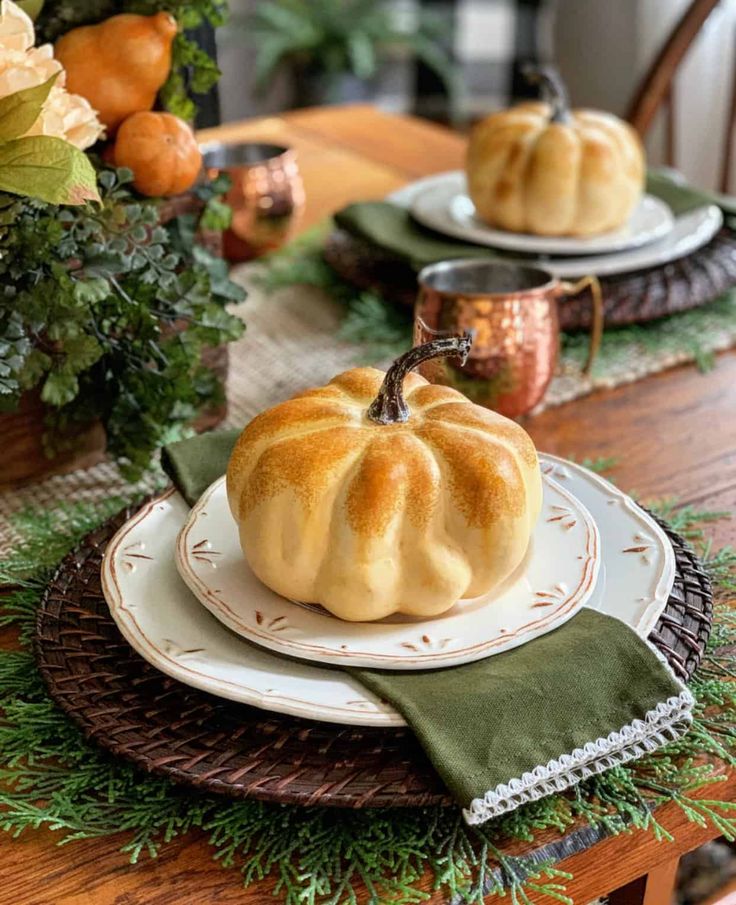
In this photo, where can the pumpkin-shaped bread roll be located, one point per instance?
(544, 169)
(381, 493)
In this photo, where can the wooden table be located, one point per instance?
(671, 434)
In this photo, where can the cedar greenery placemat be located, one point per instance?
(53, 777)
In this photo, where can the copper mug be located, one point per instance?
(511, 312)
(266, 195)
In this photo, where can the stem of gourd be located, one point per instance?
(553, 90)
(389, 406)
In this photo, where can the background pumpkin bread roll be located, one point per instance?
(542, 168)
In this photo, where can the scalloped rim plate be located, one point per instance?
(168, 627)
(555, 580)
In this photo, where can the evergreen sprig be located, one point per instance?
(52, 777)
(107, 312)
(384, 330)
(377, 328)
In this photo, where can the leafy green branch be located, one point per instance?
(106, 312)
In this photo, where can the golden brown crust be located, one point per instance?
(394, 474)
(429, 395)
(484, 479)
(305, 463)
(495, 425)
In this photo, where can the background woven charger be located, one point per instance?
(376, 255)
(628, 298)
(125, 705)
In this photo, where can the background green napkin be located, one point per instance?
(393, 229)
(522, 724)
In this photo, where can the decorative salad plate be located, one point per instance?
(446, 207)
(165, 623)
(555, 580)
(689, 232)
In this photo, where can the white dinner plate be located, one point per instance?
(446, 208)
(690, 232)
(166, 625)
(555, 580)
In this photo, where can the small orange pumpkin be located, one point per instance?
(162, 152)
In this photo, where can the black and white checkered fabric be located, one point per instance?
(488, 41)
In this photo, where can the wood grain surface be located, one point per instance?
(674, 434)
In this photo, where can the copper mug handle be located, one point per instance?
(596, 328)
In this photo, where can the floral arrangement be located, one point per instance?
(23, 66)
(43, 127)
(107, 302)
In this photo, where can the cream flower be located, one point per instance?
(16, 27)
(64, 115)
(68, 116)
(19, 69)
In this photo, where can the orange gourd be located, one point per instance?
(162, 152)
(119, 64)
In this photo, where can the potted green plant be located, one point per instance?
(104, 319)
(113, 319)
(334, 48)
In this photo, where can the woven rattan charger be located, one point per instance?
(126, 706)
(628, 298)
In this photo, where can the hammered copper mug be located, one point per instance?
(266, 195)
(511, 312)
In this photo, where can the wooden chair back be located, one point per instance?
(656, 89)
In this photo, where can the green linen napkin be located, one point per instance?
(522, 724)
(393, 229)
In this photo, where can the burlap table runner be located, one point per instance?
(291, 343)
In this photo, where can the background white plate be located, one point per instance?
(164, 622)
(552, 584)
(691, 231)
(446, 208)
